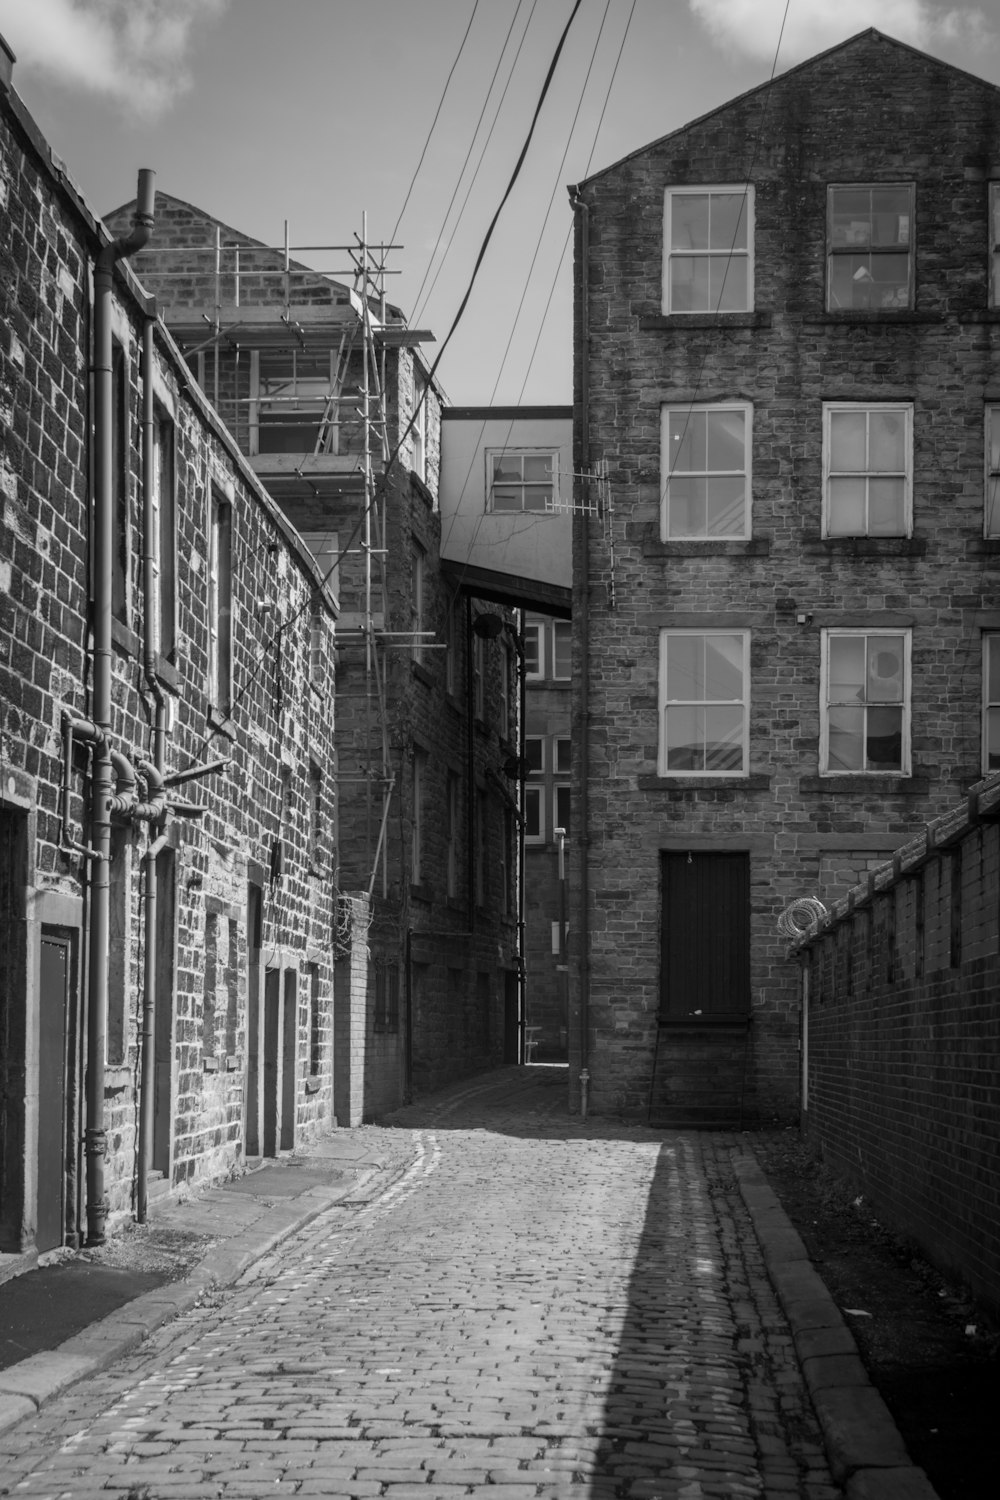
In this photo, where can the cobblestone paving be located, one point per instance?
(537, 1308)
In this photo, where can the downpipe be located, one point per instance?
(581, 610)
(102, 791)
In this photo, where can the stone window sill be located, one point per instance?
(866, 785)
(864, 546)
(881, 317)
(753, 783)
(653, 548)
(654, 322)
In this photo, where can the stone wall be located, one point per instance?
(847, 116)
(901, 1035)
(262, 827)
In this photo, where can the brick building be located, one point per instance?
(786, 631)
(167, 893)
(326, 391)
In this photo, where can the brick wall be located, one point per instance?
(845, 117)
(258, 824)
(902, 1032)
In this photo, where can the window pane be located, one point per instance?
(688, 442)
(848, 441)
(506, 467)
(506, 499)
(684, 731)
(993, 668)
(993, 508)
(562, 643)
(689, 283)
(686, 514)
(886, 441)
(724, 739)
(728, 283)
(533, 753)
(562, 807)
(846, 742)
(538, 467)
(890, 216)
(850, 216)
(885, 669)
(726, 507)
(886, 507)
(724, 668)
(847, 508)
(993, 431)
(564, 755)
(729, 221)
(885, 739)
(532, 812)
(532, 653)
(538, 497)
(847, 669)
(993, 739)
(842, 288)
(725, 433)
(685, 669)
(689, 221)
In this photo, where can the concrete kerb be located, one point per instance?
(864, 1449)
(28, 1385)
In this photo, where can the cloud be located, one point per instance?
(131, 51)
(753, 26)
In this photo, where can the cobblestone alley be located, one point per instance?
(535, 1308)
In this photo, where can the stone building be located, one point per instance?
(506, 498)
(327, 392)
(786, 629)
(167, 807)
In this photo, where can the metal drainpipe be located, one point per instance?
(150, 648)
(522, 977)
(470, 771)
(95, 1141)
(581, 609)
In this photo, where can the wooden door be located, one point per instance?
(705, 937)
(55, 989)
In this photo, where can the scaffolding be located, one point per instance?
(257, 306)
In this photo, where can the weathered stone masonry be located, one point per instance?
(902, 1002)
(847, 116)
(433, 1003)
(246, 890)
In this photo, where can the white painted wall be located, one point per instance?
(531, 545)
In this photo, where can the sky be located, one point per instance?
(409, 116)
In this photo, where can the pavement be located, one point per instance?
(797, 1365)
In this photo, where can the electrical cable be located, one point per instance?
(418, 304)
(394, 455)
(437, 112)
(566, 241)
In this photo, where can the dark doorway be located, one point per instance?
(705, 937)
(163, 1051)
(289, 1037)
(13, 1024)
(511, 1017)
(271, 1069)
(255, 909)
(56, 980)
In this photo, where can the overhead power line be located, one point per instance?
(437, 112)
